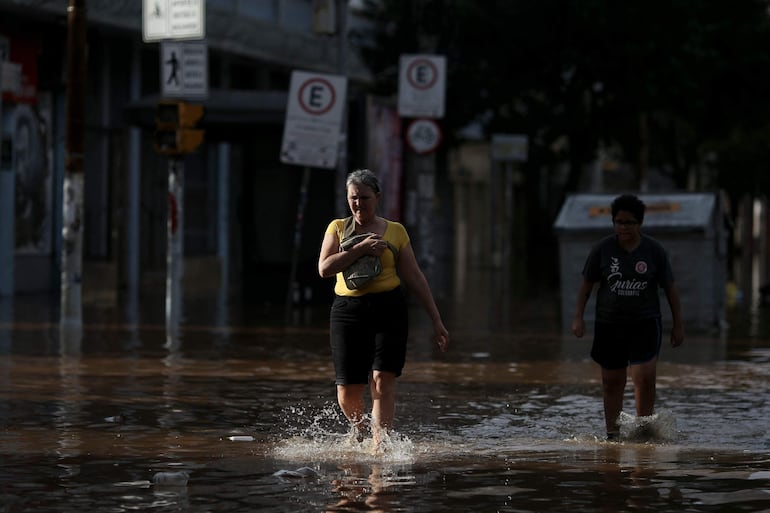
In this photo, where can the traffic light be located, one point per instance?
(175, 132)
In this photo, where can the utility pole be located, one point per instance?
(71, 316)
(341, 193)
(176, 135)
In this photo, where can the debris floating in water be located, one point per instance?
(241, 438)
(300, 473)
(171, 478)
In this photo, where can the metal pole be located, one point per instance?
(7, 219)
(223, 230)
(72, 204)
(175, 252)
(341, 203)
(293, 292)
(507, 241)
(133, 185)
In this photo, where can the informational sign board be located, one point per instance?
(10, 77)
(510, 148)
(184, 69)
(422, 86)
(423, 136)
(314, 114)
(173, 19)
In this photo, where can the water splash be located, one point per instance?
(658, 427)
(323, 435)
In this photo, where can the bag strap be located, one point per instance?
(349, 228)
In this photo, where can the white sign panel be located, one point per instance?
(10, 77)
(423, 136)
(510, 147)
(421, 86)
(314, 113)
(184, 69)
(173, 19)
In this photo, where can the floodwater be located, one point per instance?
(239, 414)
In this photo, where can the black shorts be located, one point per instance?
(368, 333)
(620, 344)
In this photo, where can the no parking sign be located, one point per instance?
(421, 86)
(314, 113)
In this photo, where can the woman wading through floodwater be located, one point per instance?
(369, 325)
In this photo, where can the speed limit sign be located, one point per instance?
(423, 136)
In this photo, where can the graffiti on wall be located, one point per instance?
(26, 129)
(26, 146)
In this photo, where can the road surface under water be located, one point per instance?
(239, 414)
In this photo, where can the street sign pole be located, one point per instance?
(175, 251)
(293, 293)
(421, 96)
(71, 315)
(176, 134)
(311, 138)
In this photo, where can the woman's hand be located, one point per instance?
(578, 327)
(373, 245)
(440, 335)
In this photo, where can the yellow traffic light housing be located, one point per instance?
(175, 132)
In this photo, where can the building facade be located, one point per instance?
(240, 200)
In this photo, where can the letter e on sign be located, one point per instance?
(316, 96)
(421, 86)
(314, 113)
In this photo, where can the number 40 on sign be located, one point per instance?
(423, 136)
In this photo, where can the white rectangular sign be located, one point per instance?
(173, 19)
(314, 114)
(10, 77)
(421, 86)
(510, 147)
(184, 69)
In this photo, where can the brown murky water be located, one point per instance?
(509, 420)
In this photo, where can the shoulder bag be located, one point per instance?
(365, 268)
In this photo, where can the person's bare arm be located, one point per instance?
(584, 292)
(677, 330)
(409, 271)
(332, 261)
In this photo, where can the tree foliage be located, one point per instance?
(679, 85)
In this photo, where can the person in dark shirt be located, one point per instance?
(629, 268)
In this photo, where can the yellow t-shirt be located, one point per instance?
(395, 233)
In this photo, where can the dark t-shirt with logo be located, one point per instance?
(629, 283)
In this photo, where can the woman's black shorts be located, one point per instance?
(620, 344)
(368, 333)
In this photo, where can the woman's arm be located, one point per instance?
(332, 261)
(409, 271)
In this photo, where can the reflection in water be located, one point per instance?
(506, 421)
(70, 338)
(374, 487)
(6, 317)
(67, 417)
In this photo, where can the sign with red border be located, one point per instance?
(421, 86)
(423, 136)
(314, 114)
